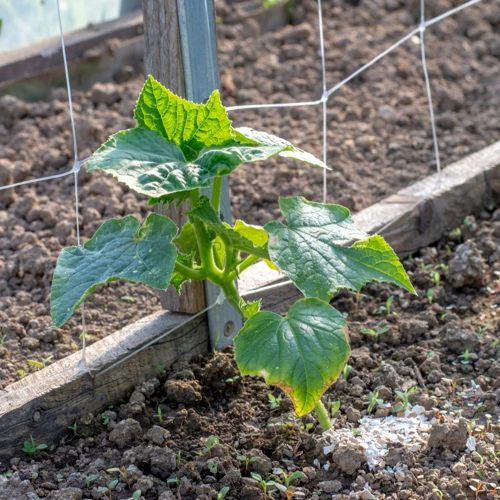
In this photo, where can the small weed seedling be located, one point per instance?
(161, 370)
(373, 401)
(74, 429)
(136, 495)
(346, 370)
(274, 402)
(464, 357)
(124, 473)
(173, 480)
(31, 448)
(179, 148)
(210, 442)
(404, 397)
(430, 295)
(159, 415)
(286, 487)
(333, 406)
(213, 468)
(109, 489)
(247, 460)
(375, 333)
(222, 493)
(436, 278)
(388, 305)
(267, 486)
(90, 479)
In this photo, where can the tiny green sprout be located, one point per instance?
(30, 447)
(496, 456)
(73, 428)
(333, 406)
(136, 495)
(404, 397)
(232, 380)
(465, 357)
(375, 333)
(159, 415)
(105, 419)
(346, 370)
(274, 402)
(430, 295)
(439, 492)
(373, 401)
(173, 480)
(222, 493)
(287, 488)
(456, 234)
(109, 489)
(90, 479)
(2, 339)
(210, 442)
(481, 458)
(178, 458)
(265, 485)
(213, 468)
(388, 305)
(124, 473)
(436, 278)
(160, 370)
(128, 298)
(247, 460)
(22, 372)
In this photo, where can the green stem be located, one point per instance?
(193, 274)
(204, 243)
(232, 296)
(216, 190)
(245, 264)
(323, 416)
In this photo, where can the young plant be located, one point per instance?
(31, 448)
(274, 402)
(247, 460)
(178, 148)
(371, 332)
(222, 493)
(210, 442)
(333, 406)
(287, 489)
(404, 400)
(267, 486)
(123, 471)
(90, 479)
(373, 401)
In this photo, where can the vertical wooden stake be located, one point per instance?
(181, 53)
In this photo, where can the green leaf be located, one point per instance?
(120, 249)
(186, 239)
(190, 126)
(178, 279)
(169, 199)
(206, 213)
(288, 150)
(255, 234)
(303, 353)
(250, 308)
(308, 251)
(151, 165)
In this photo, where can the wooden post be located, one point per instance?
(181, 53)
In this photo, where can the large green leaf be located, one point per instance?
(120, 249)
(308, 251)
(190, 126)
(205, 212)
(288, 150)
(151, 165)
(303, 353)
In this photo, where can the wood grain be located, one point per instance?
(163, 60)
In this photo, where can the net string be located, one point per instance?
(82, 365)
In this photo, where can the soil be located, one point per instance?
(192, 431)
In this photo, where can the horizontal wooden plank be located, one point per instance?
(45, 403)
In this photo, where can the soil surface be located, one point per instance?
(378, 142)
(199, 428)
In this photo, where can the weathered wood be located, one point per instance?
(45, 403)
(40, 57)
(163, 60)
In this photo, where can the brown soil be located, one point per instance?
(445, 344)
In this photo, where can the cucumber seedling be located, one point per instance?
(178, 148)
